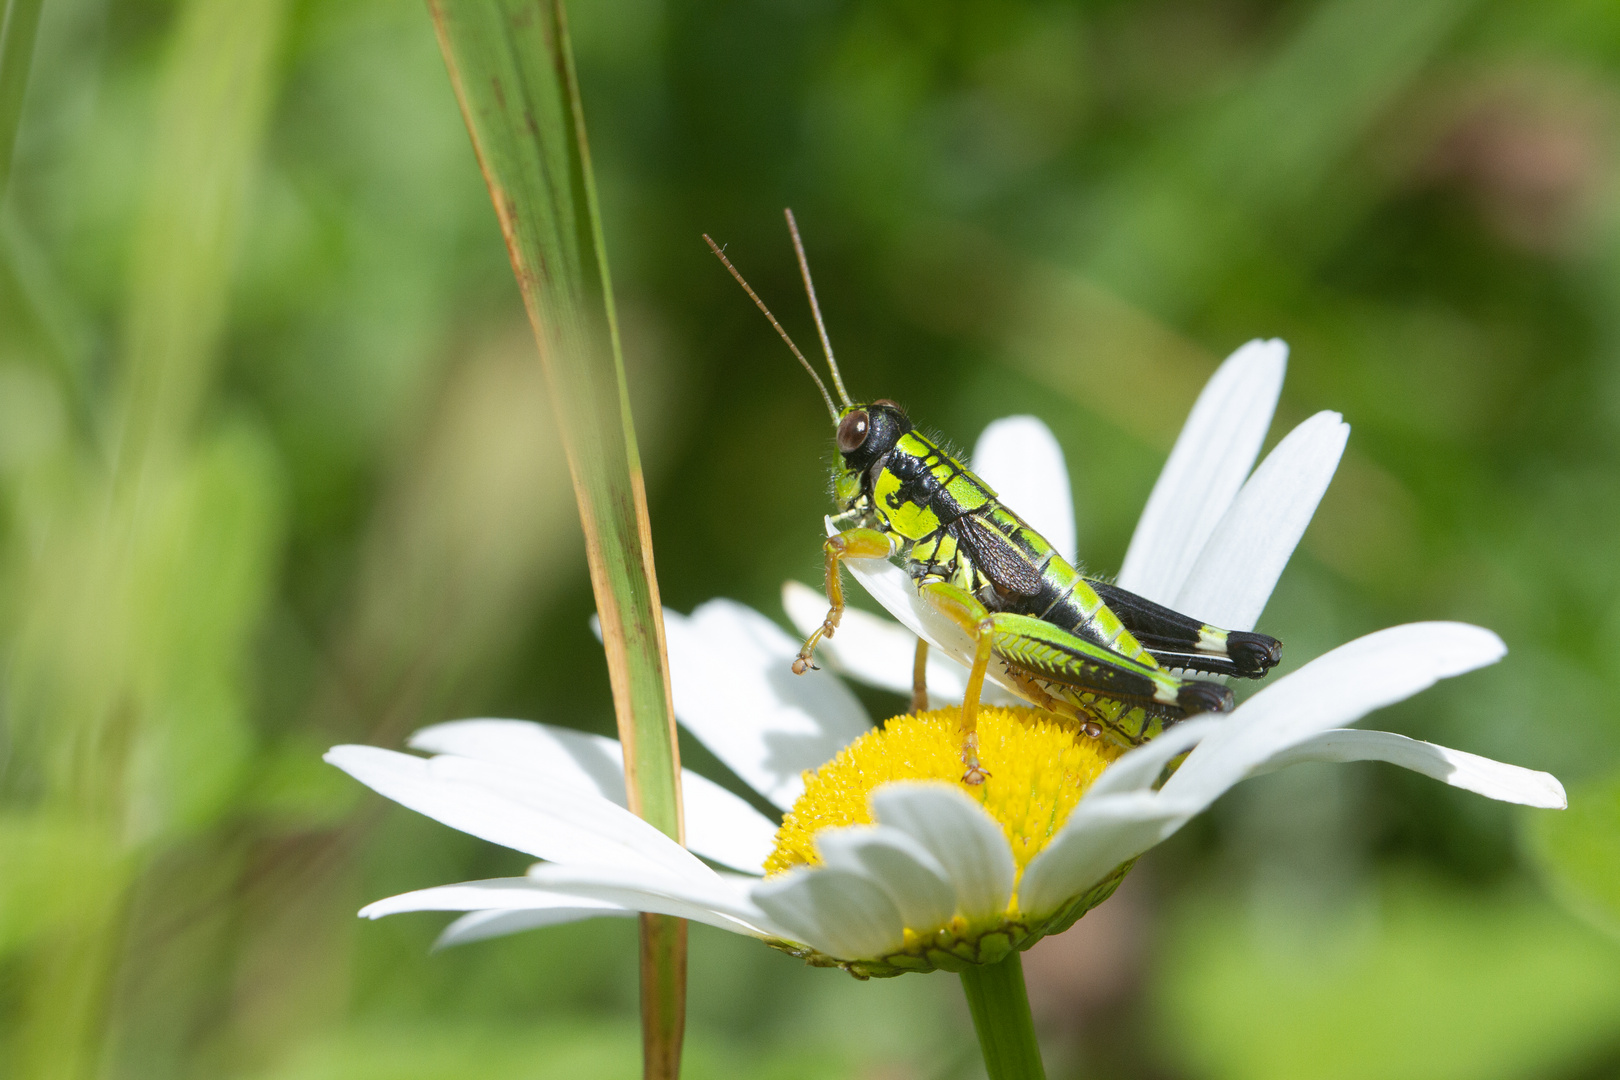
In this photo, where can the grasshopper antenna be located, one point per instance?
(815, 308)
(761, 305)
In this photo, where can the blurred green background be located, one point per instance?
(277, 471)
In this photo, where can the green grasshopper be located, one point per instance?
(1075, 645)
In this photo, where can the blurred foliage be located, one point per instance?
(1436, 985)
(277, 471)
(1579, 851)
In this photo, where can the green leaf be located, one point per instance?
(1578, 851)
(513, 72)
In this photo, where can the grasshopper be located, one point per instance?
(1075, 645)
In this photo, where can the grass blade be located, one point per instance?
(512, 69)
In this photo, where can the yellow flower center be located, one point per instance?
(1037, 765)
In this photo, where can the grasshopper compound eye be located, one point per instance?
(852, 431)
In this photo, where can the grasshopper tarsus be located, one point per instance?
(975, 773)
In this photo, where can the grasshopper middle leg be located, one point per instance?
(965, 610)
(919, 678)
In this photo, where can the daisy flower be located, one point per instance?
(884, 862)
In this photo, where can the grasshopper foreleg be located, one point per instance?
(849, 544)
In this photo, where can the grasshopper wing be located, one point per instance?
(997, 557)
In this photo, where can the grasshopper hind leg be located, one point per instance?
(1181, 641)
(1133, 699)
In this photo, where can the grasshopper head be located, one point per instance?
(866, 434)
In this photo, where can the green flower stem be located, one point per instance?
(1000, 1007)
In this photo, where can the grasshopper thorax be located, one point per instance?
(867, 433)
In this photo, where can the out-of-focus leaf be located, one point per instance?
(602, 1051)
(476, 524)
(200, 578)
(211, 119)
(55, 871)
(136, 648)
(1579, 851)
(446, 1052)
(293, 789)
(1432, 986)
(1196, 203)
(148, 564)
(19, 25)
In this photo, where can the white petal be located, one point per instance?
(719, 825)
(1139, 769)
(1106, 829)
(841, 913)
(1239, 566)
(505, 807)
(1118, 817)
(734, 688)
(1335, 689)
(561, 756)
(481, 925)
(497, 906)
(721, 902)
(901, 867)
(1020, 458)
(1215, 451)
(1482, 775)
(505, 894)
(723, 827)
(1100, 834)
(955, 830)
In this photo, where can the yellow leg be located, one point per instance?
(849, 544)
(919, 678)
(975, 773)
(964, 609)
